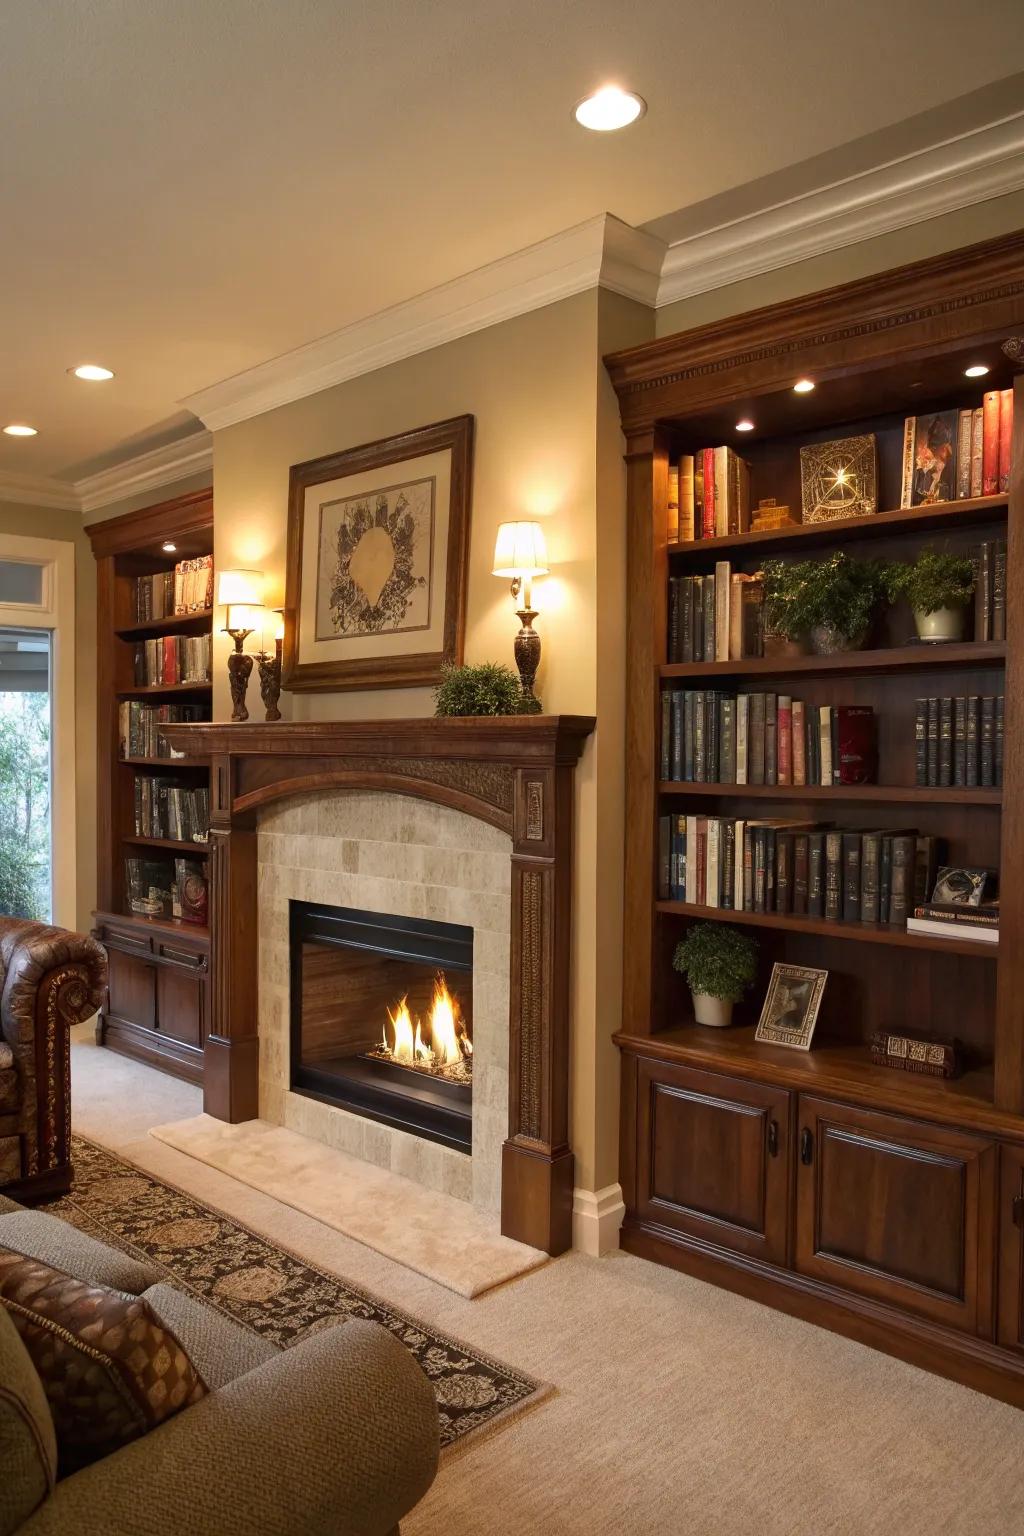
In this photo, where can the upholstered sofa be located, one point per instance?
(50, 979)
(336, 1436)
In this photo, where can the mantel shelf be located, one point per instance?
(859, 933)
(879, 794)
(902, 658)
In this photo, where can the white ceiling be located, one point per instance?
(190, 187)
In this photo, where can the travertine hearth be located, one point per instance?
(393, 854)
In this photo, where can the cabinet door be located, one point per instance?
(713, 1158)
(132, 988)
(1011, 1247)
(897, 1210)
(180, 1005)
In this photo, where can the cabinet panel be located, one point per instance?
(897, 1210)
(713, 1158)
(1011, 1247)
(132, 988)
(180, 1005)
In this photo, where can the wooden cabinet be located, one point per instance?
(1010, 1320)
(714, 1158)
(897, 1210)
(158, 999)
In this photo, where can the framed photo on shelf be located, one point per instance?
(378, 552)
(791, 1006)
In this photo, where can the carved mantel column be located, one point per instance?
(516, 774)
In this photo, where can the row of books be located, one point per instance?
(167, 888)
(711, 737)
(168, 808)
(172, 659)
(708, 495)
(716, 618)
(169, 594)
(959, 741)
(138, 726)
(795, 868)
(990, 590)
(951, 455)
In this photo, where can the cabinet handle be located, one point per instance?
(807, 1146)
(1017, 1210)
(773, 1138)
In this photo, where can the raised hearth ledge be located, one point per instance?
(515, 772)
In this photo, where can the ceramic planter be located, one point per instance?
(716, 1012)
(943, 625)
(826, 641)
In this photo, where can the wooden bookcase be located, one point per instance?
(158, 1003)
(876, 1202)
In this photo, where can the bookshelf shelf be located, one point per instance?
(878, 794)
(903, 658)
(940, 518)
(146, 693)
(171, 844)
(184, 623)
(169, 764)
(861, 933)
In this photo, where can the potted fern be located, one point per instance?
(938, 588)
(719, 963)
(486, 689)
(829, 602)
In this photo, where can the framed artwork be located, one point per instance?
(791, 1006)
(839, 479)
(378, 552)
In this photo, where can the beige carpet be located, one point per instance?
(680, 1410)
(445, 1239)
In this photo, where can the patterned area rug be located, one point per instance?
(278, 1295)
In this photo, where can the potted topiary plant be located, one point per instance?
(830, 602)
(719, 963)
(938, 588)
(487, 689)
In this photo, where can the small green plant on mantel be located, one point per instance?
(719, 963)
(487, 689)
(833, 597)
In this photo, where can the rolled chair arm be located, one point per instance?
(69, 970)
(337, 1436)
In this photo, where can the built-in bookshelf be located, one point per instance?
(816, 1181)
(155, 594)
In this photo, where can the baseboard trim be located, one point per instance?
(597, 1215)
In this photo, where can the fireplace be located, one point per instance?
(382, 1018)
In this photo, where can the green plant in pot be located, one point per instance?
(829, 602)
(719, 963)
(938, 587)
(488, 689)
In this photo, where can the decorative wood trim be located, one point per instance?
(189, 513)
(517, 773)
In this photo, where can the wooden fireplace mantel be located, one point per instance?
(515, 772)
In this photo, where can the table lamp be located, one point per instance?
(241, 593)
(520, 554)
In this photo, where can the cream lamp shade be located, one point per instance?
(241, 592)
(519, 551)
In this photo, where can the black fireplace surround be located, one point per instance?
(348, 968)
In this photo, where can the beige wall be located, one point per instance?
(967, 226)
(48, 523)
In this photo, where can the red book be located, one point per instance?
(990, 443)
(1005, 438)
(857, 743)
(708, 528)
(784, 739)
(170, 668)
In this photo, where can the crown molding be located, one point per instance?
(602, 252)
(192, 455)
(38, 491)
(971, 168)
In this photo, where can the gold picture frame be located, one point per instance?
(839, 479)
(791, 1006)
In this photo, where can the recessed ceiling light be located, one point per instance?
(18, 429)
(93, 372)
(168, 548)
(745, 425)
(803, 386)
(609, 108)
(976, 371)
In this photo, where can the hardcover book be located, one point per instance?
(934, 458)
(856, 739)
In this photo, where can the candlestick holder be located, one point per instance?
(270, 680)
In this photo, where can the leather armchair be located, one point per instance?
(50, 979)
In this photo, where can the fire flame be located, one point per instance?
(446, 1043)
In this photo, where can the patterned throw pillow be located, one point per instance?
(110, 1370)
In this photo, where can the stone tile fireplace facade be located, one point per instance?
(468, 818)
(389, 853)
